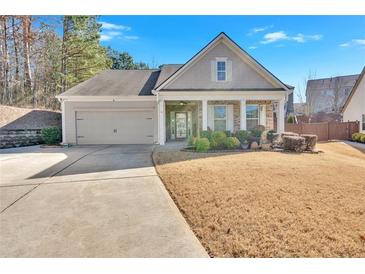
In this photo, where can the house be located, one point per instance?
(328, 95)
(354, 108)
(220, 88)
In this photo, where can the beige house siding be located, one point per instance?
(199, 76)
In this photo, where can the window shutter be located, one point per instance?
(230, 119)
(229, 70)
(211, 117)
(213, 71)
(262, 116)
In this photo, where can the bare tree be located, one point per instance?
(26, 20)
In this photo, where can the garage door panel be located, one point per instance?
(114, 127)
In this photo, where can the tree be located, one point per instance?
(124, 60)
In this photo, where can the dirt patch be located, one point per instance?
(269, 204)
(26, 118)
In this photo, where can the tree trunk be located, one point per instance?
(15, 50)
(64, 55)
(26, 52)
(6, 91)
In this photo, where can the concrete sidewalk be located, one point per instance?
(94, 201)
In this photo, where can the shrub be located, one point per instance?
(294, 143)
(206, 134)
(51, 135)
(228, 133)
(362, 139)
(232, 142)
(242, 136)
(191, 141)
(255, 133)
(218, 139)
(310, 141)
(290, 120)
(270, 135)
(356, 137)
(202, 144)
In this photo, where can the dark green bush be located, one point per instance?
(218, 139)
(191, 141)
(228, 133)
(270, 135)
(206, 134)
(242, 136)
(202, 144)
(232, 142)
(256, 132)
(51, 135)
(290, 120)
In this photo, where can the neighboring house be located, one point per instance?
(300, 108)
(354, 108)
(220, 88)
(328, 95)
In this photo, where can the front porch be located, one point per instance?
(180, 119)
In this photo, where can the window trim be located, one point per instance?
(221, 59)
(258, 114)
(220, 119)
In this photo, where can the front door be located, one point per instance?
(181, 125)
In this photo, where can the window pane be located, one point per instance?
(220, 125)
(251, 124)
(252, 111)
(221, 75)
(221, 65)
(219, 112)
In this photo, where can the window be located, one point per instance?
(252, 116)
(220, 118)
(363, 122)
(221, 71)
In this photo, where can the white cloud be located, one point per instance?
(113, 31)
(281, 35)
(274, 37)
(110, 26)
(260, 29)
(252, 47)
(353, 42)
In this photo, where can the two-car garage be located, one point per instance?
(114, 127)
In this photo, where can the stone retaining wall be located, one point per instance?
(20, 137)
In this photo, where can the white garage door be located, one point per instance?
(114, 127)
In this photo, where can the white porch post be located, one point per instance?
(63, 113)
(161, 122)
(281, 116)
(243, 124)
(205, 114)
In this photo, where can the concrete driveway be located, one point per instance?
(88, 201)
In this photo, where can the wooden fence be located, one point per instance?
(326, 131)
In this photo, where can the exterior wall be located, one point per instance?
(329, 94)
(199, 76)
(71, 107)
(356, 107)
(236, 112)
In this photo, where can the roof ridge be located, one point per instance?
(324, 78)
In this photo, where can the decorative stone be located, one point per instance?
(254, 146)
(266, 147)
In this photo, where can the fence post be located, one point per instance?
(328, 131)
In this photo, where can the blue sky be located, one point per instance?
(289, 46)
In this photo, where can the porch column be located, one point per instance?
(281, 116)
(205, 115)
(243, 125)
(161, 122)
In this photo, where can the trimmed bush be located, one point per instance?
(294, 143)
(310, 141)
(255, 133)
(228, 133)
(242, 136)
(51, 135)
(218, 139)
(202, 144)
(191, 141)
(290, 120)
(232, 142)
(362, 138)
(358, 137)
(206, 134)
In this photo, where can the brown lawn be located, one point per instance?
(270, 204)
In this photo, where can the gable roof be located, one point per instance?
(166, 71)
(116, 83)
(210, 45)
(353, 90)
